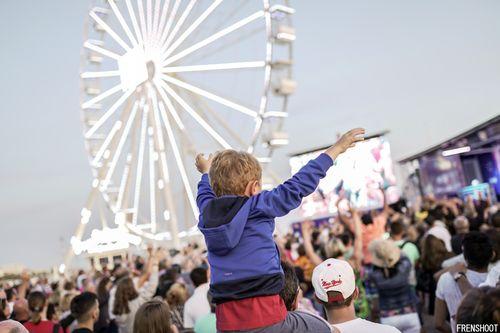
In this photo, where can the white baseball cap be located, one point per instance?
(333, 275)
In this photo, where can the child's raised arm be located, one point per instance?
(288, 196)
(205, 193)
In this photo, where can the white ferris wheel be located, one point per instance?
(163, 80)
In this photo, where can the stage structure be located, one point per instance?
(163, 80)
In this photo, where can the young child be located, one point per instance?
(237, 220)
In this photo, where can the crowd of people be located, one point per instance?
(388, 270)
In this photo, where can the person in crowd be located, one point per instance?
(128, 299)
(439, 229)
(397, 234)
(237, 220)
(103, 288)
(304, 263)
(410, 250)
(461, 226)
(335, 287)
(493, 278)
(176, 298)
(11, 296)
(197, 305)
(85, 309)
(434, 252)
(290, 292)
(373, 227)
(12, 326)
(495, 220)
(478, 252)
(4, 306)
(335, 248)
(207, 323)
(153, 317)
(395, 302)
(38, 323)
(66, 320)
(20, 311)
(479, 306)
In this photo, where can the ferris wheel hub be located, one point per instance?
(137, 67)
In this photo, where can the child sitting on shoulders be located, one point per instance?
(237, 221)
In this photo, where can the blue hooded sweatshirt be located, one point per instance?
(244, 260)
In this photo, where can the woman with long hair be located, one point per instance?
(38, 323)
(128, 299)
(103, 289)
(153, 317)
(434, 252)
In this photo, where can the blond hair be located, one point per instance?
(231, 171)
(176, 295)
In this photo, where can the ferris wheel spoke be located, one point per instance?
(116, 127)
(149, 17)
(94, 75)
(216, 136)
(163, 18)
(213, 38)
(108, 113)
(124, 24)
(167, 192)
(159, 134)
(121, 191)
(230, 15)
(140, 163)
(180, 22)
(171, 18)
(156, 17)
(101, 50)
(152, 186)
(142, 21)
(202, 105)
(110, 31)
(209, 95)
(178, 160)
(228, 42)
(133, 18)
(163, 94)
(192, 27)
(101, 96)
(119, 148)
(215, 67)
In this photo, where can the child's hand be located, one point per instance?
(202, 163)
(346, 141)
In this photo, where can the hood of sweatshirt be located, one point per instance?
(222, 222)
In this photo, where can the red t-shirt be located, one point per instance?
(45, 326)
(250, 313)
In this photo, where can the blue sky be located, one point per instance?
(425, 70)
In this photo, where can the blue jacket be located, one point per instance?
(394, 291)
(244, 260)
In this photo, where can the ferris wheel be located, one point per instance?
(164, 79)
